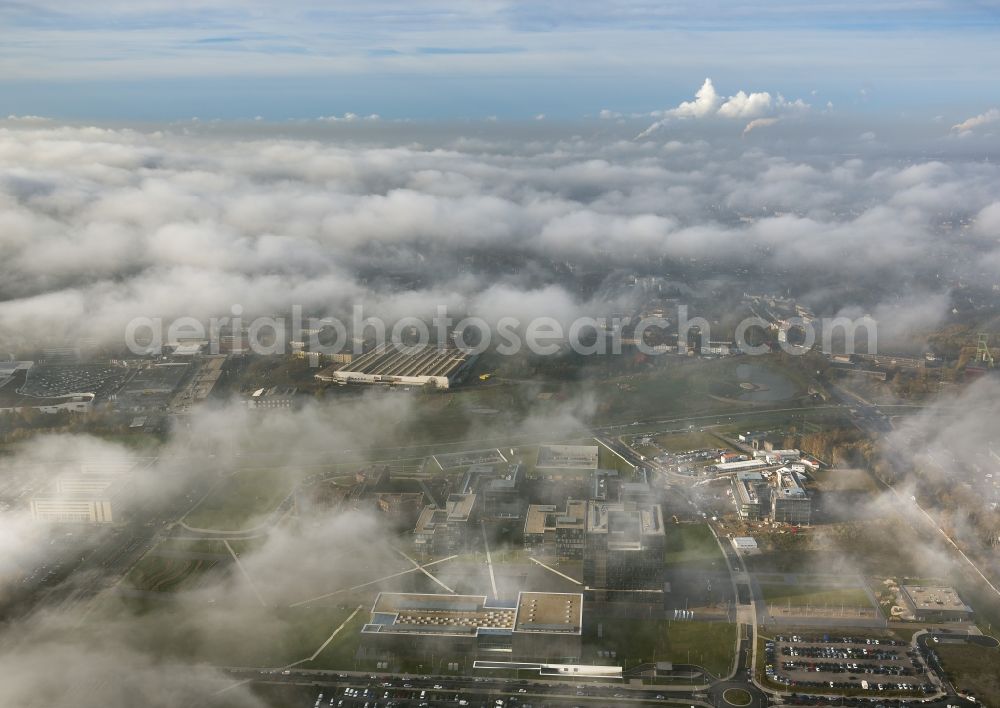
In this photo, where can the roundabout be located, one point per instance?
(737, 697)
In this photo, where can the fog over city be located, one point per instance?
(103, 225)
(499, 354)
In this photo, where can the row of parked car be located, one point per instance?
(839, 667)
(832, 639)
(848, 668)
(838, 653)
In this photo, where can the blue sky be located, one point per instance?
(172, 59)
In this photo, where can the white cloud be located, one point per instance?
(706, 100)
(759, 123)
(349, 118)
(987, 222)
(990, 116)
(744, 105)
(99, 226)
(28, 119)
(741, 105)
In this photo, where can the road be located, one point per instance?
(441, 690)
(741, 679)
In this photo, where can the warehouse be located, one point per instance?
(412, 366)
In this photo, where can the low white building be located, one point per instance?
(80, 499)
(777, 457)
(741, 466)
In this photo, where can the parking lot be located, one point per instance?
(859, 664)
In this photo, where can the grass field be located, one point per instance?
(814, 596)
(193, 546)
(159, 574)
(223, 634)
(708, 644)
(693, 545)
(608, 460)
(844, 480)
(243, 500)
(973, 668)
(339, 654)
(682, 442)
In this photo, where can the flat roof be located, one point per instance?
(390, 360)
(437, 614)
(746, 483)
(544, 517)
(553, 612)
(81, 487)
(788, 484)
(467, 615)
(567, 457)
(741, 465)
(450, 460)
(628, 522)
(935, 597)
(458, 508)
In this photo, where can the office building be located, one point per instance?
(557, 533)
(537, 625)
(935, 603)
(752, 495)
(443, 531)
(790, 504)
(623, 547)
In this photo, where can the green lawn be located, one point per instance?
(243, 500)
(692, 545)
(339, 654)
(682, 442)
(973, 668)
(608, 460)
(223, 633)
(814, 596)
(707, 644)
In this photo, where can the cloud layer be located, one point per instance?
(101, 225)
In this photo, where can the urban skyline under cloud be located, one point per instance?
(408, 353)
(152, 60)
